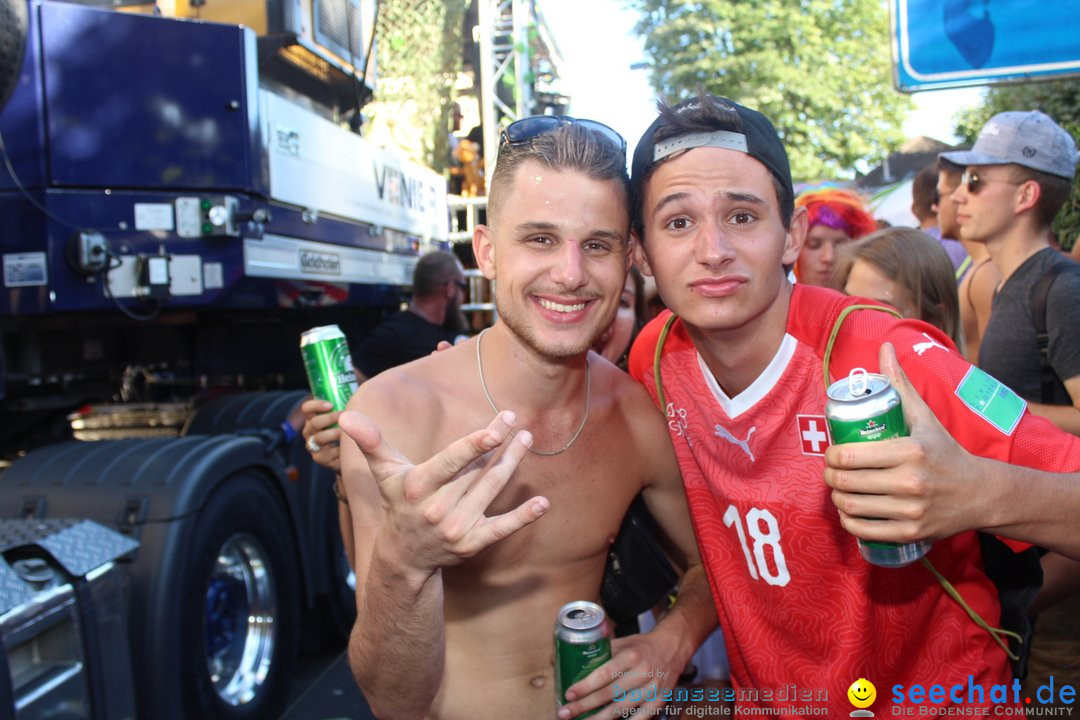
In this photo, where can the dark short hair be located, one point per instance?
(944, 164)
(709, 114)
(924, 193)
(433, 271)
(1055, 192)
(571, 147)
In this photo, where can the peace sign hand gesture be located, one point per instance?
(434, 512)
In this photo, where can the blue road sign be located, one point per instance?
(953, 43)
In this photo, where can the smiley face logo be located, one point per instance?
(862, 693)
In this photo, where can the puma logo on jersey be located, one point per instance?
(920, 348)
(723, 432)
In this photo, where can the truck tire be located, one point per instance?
(12, 45)
(323, 557)
(239, 632)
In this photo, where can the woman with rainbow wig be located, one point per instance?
(834, 217)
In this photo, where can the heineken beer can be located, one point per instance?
(328, 364)
(582, 644)
(864, 407)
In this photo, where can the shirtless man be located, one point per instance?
(979, 283)
(470, 539)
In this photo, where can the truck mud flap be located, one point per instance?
(216, 587)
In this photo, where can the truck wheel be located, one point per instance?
(239, 631)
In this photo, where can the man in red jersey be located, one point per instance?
(741, 376)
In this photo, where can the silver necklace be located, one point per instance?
(584, 418)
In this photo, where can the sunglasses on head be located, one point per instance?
(974, 182)
(524, 130)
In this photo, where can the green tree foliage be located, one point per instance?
(1060, 99)
(819, 69)
(419, 46)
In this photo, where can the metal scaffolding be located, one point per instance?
(514, 41)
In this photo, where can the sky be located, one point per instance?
(599, 47)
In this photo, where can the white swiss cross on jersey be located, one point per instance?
(814, 434)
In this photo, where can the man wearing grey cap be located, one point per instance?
(1019, 174)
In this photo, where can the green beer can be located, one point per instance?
(582, 644)
(328, 364)
(865, 407)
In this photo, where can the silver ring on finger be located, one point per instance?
(312, 446)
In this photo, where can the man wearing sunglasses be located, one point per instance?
(740, 368)
(1018, 175)
(514, 457)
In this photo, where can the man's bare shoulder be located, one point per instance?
(646, 448)
(984, 281)
(422, 380)
(410, 403)
(630, 396)
(642, 422)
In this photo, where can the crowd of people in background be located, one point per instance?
(734, 363)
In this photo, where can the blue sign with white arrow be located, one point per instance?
(954, 43)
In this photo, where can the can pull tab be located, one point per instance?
(857, 382)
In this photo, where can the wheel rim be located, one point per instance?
(241, 610)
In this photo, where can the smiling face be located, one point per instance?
(714, 241)
(862, 693)
(558, 251)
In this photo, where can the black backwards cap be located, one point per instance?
(740, 128)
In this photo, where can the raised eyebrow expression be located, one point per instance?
(727, 195)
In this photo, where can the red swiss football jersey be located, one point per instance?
(799, 607)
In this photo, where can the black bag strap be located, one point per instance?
(1039, 294)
